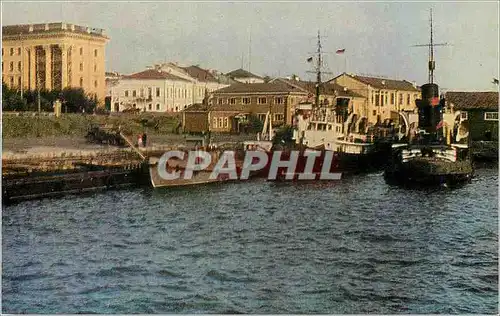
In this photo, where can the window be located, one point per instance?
(491, 116)
(377, 99)
(374, 112)
(11, 81)
(95, 52)
(392, 98)
(150, 106)
(261, 100)
(134, 93)
(278, 100)
(81, 66)
(232, 101)
(19, 65)
(386, 95)
(157, 106)
(381, 98)
(95, 68)
(157, 92)
(221, 122)
(81, 82)
(226, 122)
(408, 99)
(126, 93)
(11, 51)
(19, 81)
(11, 66)
(81, 51)
(373, 97)
(214, 124)
(19, 51)
(400, 101)
(463, 115)
(246, 100)
(95, 83)
(150, 91)
(141, 92)
(220, 101)
(262, 117)
(278, 117)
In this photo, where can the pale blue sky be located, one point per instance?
(377, 36)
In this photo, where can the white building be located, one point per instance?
(164, 88)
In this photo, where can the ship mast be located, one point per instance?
(431, 46)
(432, 63)
(318, 70)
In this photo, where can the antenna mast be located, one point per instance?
(431, 46)
(318, 70)
(432, 63)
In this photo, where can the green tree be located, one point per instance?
(284, 135)
(254, 124)
(11, 99)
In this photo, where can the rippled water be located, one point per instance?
(355, 246)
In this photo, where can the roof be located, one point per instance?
(241, 73)
(384, 83)
(326, 88)
(198, 107)
(27, 29)
(473, 100)
(154, 74)
(200, 74)
(270, 87)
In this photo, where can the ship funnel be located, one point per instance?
(430, 110)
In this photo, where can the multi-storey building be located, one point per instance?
(163, 88)
(230, 106)
(54, 56)
(383, 98)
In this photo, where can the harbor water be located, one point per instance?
(353, 246)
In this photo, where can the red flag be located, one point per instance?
(340, 51)
(434, 101)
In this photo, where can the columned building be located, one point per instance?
(54, 56)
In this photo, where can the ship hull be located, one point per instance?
(429, 172)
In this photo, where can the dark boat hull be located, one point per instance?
(429, 172)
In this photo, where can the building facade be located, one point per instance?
(329, 94)
(230, 107)
(54, 56)
(383, 98)
(481, 111)
(164, 88)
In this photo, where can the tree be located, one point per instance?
(284, 135)
(254, 124)
(74, 100)
(11, 99)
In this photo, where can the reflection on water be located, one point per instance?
(354, 246)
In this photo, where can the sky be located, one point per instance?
(276, 38)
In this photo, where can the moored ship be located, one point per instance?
(438, 151)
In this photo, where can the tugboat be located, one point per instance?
(437, 153)
(332, 128)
